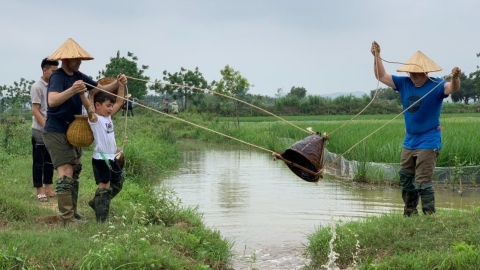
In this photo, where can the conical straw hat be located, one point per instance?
(419, 63)
(70, 50)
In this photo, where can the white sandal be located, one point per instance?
(42, 198)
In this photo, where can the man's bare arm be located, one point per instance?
(378, 67)
(58, 98)
(454, 84)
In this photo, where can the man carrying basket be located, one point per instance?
(64, 102)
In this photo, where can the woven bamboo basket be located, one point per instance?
(308, 154)
(79, 133)
(106, 80)
(120, 157)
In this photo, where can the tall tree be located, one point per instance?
(14, 99)
(234, 85)
(185, 77)
(475, 79)
(128, 66)
(16, 96)
(280, 93)
(478, 56)
(299, 92)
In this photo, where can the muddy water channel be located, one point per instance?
(267, 211)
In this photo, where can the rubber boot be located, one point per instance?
(76, 185)
(75, 200)
(101, 201)
(410, 199)
(65, 200)
(427, 195)
(91, 203)
(409, 193)
(117, 187)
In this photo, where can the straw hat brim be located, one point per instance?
(419, 63)
(129, 95)
(70, 50)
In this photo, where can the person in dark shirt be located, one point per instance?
(128, 105)
(64, 102)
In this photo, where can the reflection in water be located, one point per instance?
(263, 207)
(233, 193)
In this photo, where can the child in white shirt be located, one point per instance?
(106, 170)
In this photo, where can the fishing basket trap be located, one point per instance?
(305, 158)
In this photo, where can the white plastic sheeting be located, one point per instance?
(348, 169)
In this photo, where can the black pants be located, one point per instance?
(42, 168)
(128, 111)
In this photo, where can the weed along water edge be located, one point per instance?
(269, 212)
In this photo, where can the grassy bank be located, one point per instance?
(148, 227)
(447, 240)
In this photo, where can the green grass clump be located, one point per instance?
(447, 240)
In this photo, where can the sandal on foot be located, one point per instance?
(51, 195)
(42, 198)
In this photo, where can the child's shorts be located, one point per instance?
(104, 173)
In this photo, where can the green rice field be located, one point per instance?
(380, 142)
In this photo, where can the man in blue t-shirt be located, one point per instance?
(422, 98)
(63, 99)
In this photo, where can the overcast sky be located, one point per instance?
(321, 45)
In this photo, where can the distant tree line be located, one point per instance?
(194, 93)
